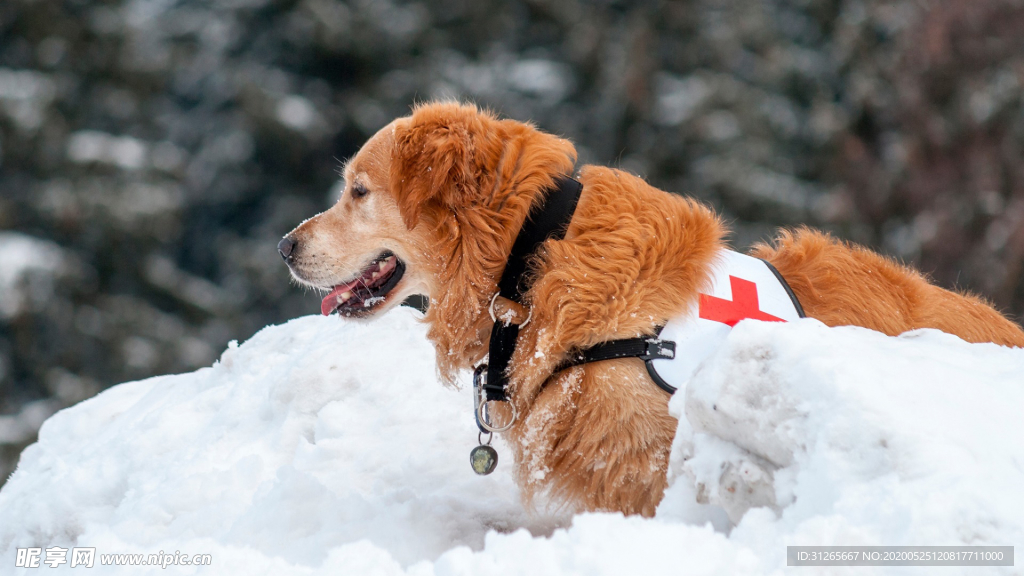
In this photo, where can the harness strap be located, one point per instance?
(643, 348)
(648, 349)
(548, 220)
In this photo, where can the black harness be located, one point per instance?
(550, 220)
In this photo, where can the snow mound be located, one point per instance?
(845, 436)
(327, 447)
(311, 435)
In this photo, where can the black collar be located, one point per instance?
(547, 220)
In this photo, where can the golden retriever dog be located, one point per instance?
(432, 204)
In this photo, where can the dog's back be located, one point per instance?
(842, 284)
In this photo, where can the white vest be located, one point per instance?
(741, 287)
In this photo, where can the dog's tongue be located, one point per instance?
(374, 275)
(330, 302)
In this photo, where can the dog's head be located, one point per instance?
(360, 251)
(431, 205)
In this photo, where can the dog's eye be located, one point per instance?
(358, 191)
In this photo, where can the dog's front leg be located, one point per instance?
(598, 437)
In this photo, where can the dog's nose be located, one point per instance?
(285, 247)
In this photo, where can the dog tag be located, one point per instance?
(483, 459)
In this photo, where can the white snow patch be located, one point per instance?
(678, 99)
(328, 447)
(87, 146)
(28, 267)
(24, 95)
(20, 427)
(296, 112)
(546, 79)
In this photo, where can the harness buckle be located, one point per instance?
(480, 410)
(659, 350)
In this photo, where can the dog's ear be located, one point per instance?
(433, 160)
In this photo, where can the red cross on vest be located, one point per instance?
(740, 287)
(743, 305)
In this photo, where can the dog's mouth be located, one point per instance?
(368, 290)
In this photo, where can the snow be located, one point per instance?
(24, 96)
(325, 446)
(88, 146)
(858, 438)
(678, 99)
(21, 427)
(543, 78)
(28, 267)
(296, 112)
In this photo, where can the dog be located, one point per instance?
(432, 205)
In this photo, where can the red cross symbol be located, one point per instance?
(743, 305)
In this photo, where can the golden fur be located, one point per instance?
(449, 187)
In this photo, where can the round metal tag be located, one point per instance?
(483, 459)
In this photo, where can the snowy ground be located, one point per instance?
(327, 447)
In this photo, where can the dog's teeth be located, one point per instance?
(376, 275)
(345, 296)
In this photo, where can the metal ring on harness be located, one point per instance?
(482, 416)
(494, 318)
(480, 403)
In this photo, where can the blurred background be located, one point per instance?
(153, 152)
